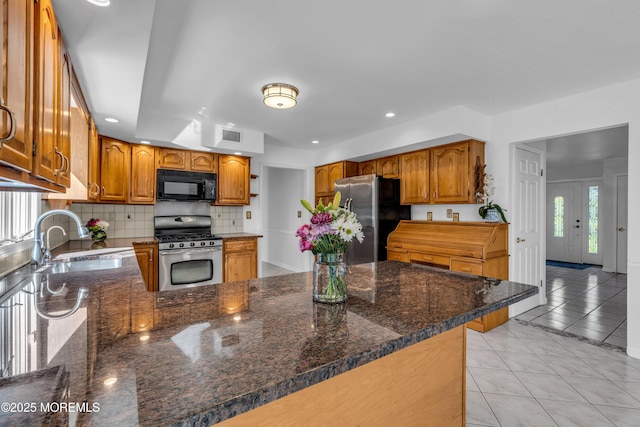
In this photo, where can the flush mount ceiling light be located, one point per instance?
(279, 95)
(102, 3)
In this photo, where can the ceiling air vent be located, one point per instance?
(231, 135)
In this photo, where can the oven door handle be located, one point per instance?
(189, 250)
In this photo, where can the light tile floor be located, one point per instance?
(589, 303)
(523, 375)
(269, 270)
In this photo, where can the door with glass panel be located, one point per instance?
(573, 213)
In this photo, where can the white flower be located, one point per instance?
(347, 229)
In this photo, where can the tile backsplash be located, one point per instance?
(127, 221)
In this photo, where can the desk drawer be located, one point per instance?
(466, 266)
(429, 259)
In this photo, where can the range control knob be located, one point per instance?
(192, 244)
(203, 243)
(171, 245)
(181, 245)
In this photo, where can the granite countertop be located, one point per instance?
(232, 236)
(200, 355)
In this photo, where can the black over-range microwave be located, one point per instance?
(186, 186)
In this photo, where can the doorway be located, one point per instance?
(573, 222)
(622, 208)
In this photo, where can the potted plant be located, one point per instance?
(490, 211)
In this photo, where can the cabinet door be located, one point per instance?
(233, 180)
(63, 141)
(388, 167)
(143, 174)
(414, 177)
(46, 107)
(16, 76)
(367, 168)
(93, 192)
(335, 171)
(240, 259)
(450, 173)
(322, 181)
(170, 158)
(147, 257)
(115, 160)
(203, 162)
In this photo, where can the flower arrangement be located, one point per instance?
(488, 205)
(98, 229)
(331, 228)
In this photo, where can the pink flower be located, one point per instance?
(321, 218)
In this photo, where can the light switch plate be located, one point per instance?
(449, 213)
(248, 214)
(429, 216)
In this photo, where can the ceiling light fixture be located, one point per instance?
(390, 115)
(279, 95)
(111, 120)
(315, 141)
(102, 3)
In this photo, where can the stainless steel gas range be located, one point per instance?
(189, 255)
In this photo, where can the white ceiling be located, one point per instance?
(158, 65)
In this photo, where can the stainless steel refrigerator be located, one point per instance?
(376, 202)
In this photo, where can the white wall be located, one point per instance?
(586, 170)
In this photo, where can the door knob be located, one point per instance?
(518, 240)
(577, 226)
(621, 229)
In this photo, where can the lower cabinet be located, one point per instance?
(240, 259)
(147, 256)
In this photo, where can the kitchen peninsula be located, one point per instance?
(229, 352)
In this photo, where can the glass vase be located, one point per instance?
(99, 236)
(330, 279)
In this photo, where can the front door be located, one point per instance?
(564, 229)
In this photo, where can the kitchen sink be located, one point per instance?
(58, 267)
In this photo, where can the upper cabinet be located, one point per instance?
(143, 174)
(196, 161)
(442, 174)
(388, 167)
(414, 177)
(16, 87)
(233, 180)
(63, 140)
(115, 164)
(326, 175)
(453, 168)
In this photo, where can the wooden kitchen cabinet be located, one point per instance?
(45, 88)
(63, 140)
(115, 165)
(478, 248)
(93, 186)
(453, 171)
(171, 158)
(414, 177)
(16, 89)
(147, 257)
(203, 162)
(367, 168)
(326, 175)
(143, 174)
(233, 180)
(388, 167)
(240, 259)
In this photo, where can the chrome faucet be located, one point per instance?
(47, 251)
(38, 251)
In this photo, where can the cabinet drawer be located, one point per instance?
(429, 259)
(466, 266)
(398, 256)
(240, 245)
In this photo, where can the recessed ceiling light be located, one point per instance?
(390, 115)
(238, 153)
(102, 3)
(315, 141)
(144, 142)
(111, 120)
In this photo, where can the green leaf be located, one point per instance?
(307, 205)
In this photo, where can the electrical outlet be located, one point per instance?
(449, 213)
(429, 216)
(248, 214)
(299, 214)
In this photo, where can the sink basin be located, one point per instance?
(83, 265)
(102, 253)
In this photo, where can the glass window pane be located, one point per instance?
(592, 221)
(558, 216)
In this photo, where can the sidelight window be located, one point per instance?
(558, 216)
(592, 220)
